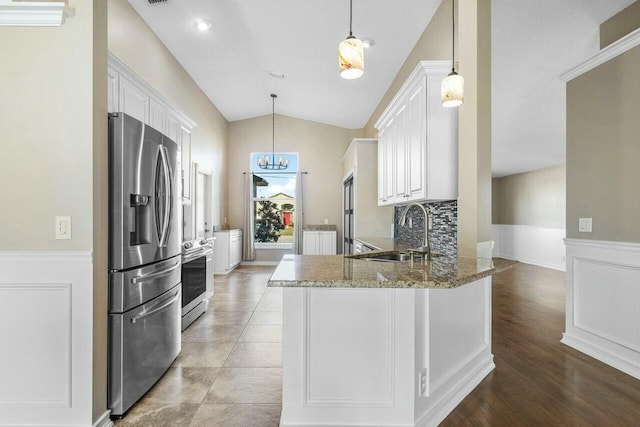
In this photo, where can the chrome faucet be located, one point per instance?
(426, 248)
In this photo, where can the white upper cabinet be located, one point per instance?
(185, 144)
(418, 141)
(133, 100)
(128, 93)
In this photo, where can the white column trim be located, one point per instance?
(34, 14)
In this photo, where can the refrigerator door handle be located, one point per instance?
(154, 275)
(156, 309)
(167, 197)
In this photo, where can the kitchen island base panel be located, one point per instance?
(356, 356)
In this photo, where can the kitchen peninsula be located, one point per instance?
(371, 343)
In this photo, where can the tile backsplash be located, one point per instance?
(443, 236)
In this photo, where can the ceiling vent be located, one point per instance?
(156, 1)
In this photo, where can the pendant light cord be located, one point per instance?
(350, 16)
(273, 128)
(453, 35)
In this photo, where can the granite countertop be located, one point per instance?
(338, 271)
(381, 243)
(320, 227)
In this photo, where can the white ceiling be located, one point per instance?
(533, 42)
(299, 38)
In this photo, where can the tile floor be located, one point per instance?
(229, 372)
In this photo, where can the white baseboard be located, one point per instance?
(541, 246)
(602, 355)
(458, 391)
(602, 302)
(104, 420)
(47, 382)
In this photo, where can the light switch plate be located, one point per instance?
(63, 227)
(584, 225)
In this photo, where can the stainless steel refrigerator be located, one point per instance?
(145, 236)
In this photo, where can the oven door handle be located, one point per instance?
(145, 277)
(156, 309)
(191, 257)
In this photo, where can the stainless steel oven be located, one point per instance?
(197, 279)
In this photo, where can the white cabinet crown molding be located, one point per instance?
(421, 69)
(122, 68)
(616, 48)
(34, 14)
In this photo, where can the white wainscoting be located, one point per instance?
(46, 331)
(603, 302)
(540, 246)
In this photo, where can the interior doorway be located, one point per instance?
(347, 221)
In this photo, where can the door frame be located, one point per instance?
(351, 174)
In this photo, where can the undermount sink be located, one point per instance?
(394, 256)
(397, 256)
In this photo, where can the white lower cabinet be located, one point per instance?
(228, 253)
(319, 242)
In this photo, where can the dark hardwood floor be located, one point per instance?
(539, 381)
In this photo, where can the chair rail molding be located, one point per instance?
(34, 13)
(603, 290)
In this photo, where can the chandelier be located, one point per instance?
(266, 163)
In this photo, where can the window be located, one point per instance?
(274, 201)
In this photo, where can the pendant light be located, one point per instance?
(452, 88)
(351, 53)
(270, 164)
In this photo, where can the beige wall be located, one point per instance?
(132, 41)
(46, 123)
(603, 152)
(370, 219)
(54, 150)
(620, 25)
(320, 149)
(434, 44)
(533, 198)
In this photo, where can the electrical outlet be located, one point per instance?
(63, 227)
(326, 221)
(410, 222)
(422, 382)
(430, 224)
(584, 225)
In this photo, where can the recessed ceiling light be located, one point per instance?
(276, 75)
(202, 25)
(368, 42)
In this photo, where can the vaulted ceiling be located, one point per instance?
(533, 42)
